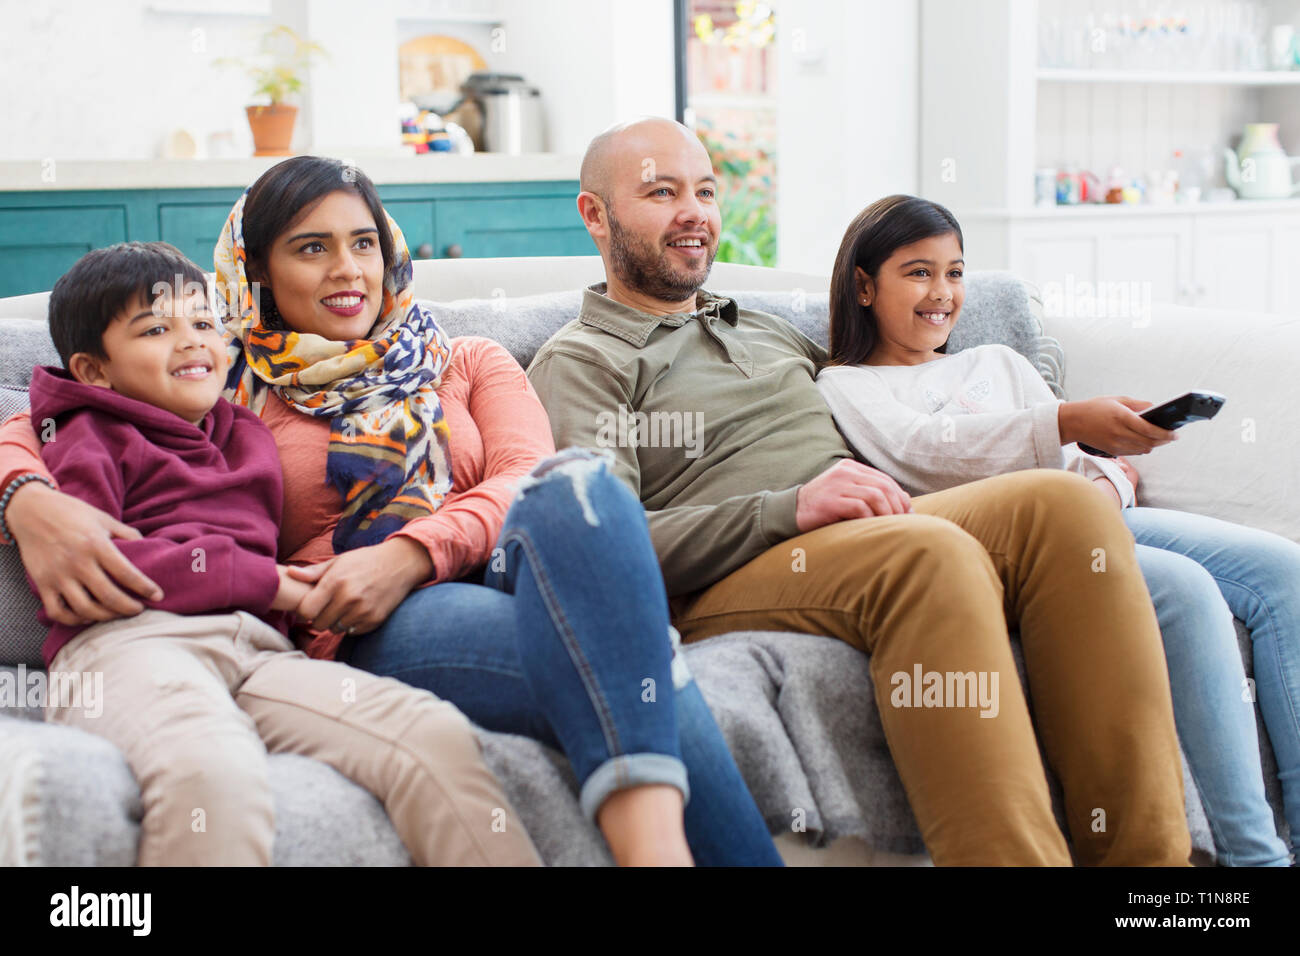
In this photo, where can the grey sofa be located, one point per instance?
(797, 710)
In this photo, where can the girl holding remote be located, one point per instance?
(934, 421)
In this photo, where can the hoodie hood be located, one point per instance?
(54, 392)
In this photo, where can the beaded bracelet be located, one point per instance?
(5, 536)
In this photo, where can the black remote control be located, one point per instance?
(1188, 407)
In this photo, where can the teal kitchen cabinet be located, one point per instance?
(42, 232)
(37, 245)
(481, 220)
(416, 218)
(194, 228)
(490, 228)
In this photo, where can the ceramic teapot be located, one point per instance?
(1259, 169)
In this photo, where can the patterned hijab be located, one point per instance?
(388, 446)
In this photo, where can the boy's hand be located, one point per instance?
(291, 591)
(67, 547)
(354, 592)
(1111, 423)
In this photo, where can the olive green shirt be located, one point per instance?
(713, 418)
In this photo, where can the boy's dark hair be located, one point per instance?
(281, 194)
(103, 282)
(872, 237)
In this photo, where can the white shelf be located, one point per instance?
(1174, 77)
(1111, 211)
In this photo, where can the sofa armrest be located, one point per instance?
(1244, 466)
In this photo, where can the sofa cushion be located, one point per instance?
(999, 308)
(797, 712)
(82, 806)
(1240, 467)
(522, 325)
(27, 344)
(21, 636)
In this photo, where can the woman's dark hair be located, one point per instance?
(282, 194)
(872, 237)
(102, 283)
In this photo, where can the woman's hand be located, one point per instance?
(67, 547)
(356, 591)
(1111, 423)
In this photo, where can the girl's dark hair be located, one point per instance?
(103, 282)
(282, 194)
(873, 236)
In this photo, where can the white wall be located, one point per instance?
(596, 62)
(351, 97)
(88, 80)
(978, 96)
(848, 98)
(84, 79)
(848, 103)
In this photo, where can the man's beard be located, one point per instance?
(642, 267)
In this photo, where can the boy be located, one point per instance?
(200, 685)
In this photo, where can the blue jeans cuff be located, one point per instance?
(631, 770)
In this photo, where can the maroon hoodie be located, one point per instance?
(206, 498)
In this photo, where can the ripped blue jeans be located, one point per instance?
(567, 641)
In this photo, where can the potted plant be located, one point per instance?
(277, 70)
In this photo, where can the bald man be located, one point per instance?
(762, 520)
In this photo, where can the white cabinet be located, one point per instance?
(1155, 253)
(1286, 265)
(1045, 254)
(980, 160)
(1131, 260)
(1235, 265)
(1246, 256)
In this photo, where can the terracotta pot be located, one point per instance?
(272, 128)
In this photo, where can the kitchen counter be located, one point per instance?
(54, 175)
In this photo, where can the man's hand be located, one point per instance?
(67, 547)
(1111, 423)
(849, 489)
(356, 591)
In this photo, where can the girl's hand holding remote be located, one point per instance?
(1111, 423)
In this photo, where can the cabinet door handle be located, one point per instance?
(453, 251)
(424, 250)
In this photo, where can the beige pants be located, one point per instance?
(195, 703)
(932, 592)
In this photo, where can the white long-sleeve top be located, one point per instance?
(978, 413)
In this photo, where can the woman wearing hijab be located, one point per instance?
(446, 544)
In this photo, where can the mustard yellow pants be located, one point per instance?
(930, 595)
